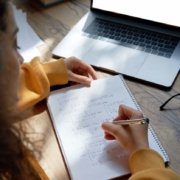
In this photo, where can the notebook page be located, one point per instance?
(157, 146)
(77, 117)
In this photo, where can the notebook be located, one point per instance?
(139, 39)
(77, 114)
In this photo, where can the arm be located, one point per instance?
(144, 163)
(36, 78)
(148, 164)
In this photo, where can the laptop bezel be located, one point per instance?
(172, 30)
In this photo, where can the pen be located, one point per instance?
(132, 121)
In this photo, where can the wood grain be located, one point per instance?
(52, 24)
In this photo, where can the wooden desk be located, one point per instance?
(52, 24)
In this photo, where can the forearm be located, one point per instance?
(147, 164)
(36, 79)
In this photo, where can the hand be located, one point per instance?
(79, 71)
(130, 137)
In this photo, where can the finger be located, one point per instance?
(79, 79)
(116, 131)
(122, 114)
(126, 112)
(92, 72)
(83, 72)
(88, 69)
(108, 136)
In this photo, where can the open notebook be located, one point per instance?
(77, 114)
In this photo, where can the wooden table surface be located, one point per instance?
(52, 24)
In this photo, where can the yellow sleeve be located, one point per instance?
(36, 79)
(148, 164)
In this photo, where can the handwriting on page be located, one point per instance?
(81, 117)
(77, 114)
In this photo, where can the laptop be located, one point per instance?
(139, 39)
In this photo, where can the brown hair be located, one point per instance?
(16, 161)
(3, 11)
(7, 152)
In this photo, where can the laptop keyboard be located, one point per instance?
(133, 37)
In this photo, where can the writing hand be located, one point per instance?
(79, 71)
(130, 137)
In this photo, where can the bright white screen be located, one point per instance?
(163, 11)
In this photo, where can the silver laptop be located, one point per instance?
(140, 39)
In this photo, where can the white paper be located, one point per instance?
(28, 40)
(77, 115)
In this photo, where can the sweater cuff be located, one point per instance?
(145, 159)
(56, 72)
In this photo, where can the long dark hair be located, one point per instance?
(13, 162)
(9, 149)
(3, 11)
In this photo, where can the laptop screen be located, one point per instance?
(161, 11)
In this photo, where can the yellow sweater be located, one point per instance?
(148, 164)
(36, 79)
